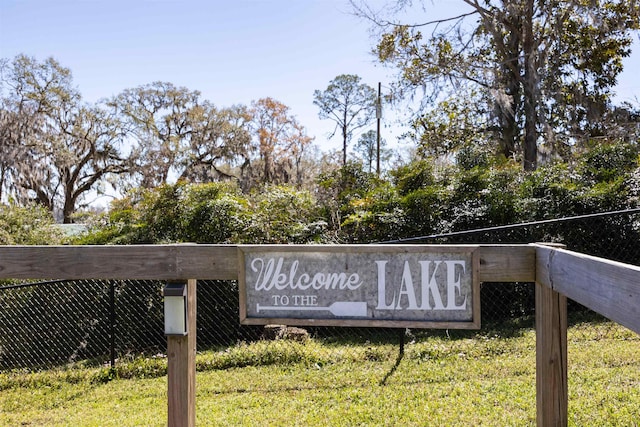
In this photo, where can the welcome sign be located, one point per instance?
(417, 286)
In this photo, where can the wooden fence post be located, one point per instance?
(181, 369)
(551, 357)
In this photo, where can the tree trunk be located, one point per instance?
(344, 138)
(530, 151)
(344, 145)
(507, 113)
(69, 207)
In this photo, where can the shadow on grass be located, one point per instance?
(398, 360)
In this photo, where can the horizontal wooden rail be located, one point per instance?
(164, 262)
(607, 287)
(508, 263)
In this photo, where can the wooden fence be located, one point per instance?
(607, 287)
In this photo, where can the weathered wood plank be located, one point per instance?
(78, 262)
(164, 262)
(218, 262)
(551, 357)
(509, 263)
(608, 287)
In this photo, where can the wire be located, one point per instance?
(509, 226)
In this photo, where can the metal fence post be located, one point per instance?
(112, 323)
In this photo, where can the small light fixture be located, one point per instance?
(175, 309)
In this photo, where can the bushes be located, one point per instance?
(375, 216)
(351, 205)
(209, 213)
(28, 225)
(607, 162)
(282, 214)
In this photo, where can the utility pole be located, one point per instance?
(378, 117)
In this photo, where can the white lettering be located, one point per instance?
(382, 299)
(438, 280)
(305, 300)
(406, 288)
(453, 284)
(278, 300)
(430, 286)
(270, 275)
(265, 273)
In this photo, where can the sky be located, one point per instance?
(232, 51)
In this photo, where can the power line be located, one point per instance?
(510, 226)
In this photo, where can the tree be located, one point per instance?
(31, 92)
(156, 115)
(298, 149)
(177, 135)
(61, 149)
(218, 142)
(280, 141)
(450, 127)
(367, 148)
(349, 103)
(85, 155)
(17, 124)
(546, 67)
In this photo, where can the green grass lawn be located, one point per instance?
(440, 381)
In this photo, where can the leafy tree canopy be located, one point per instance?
(539, 73)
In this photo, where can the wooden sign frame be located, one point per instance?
(424, 286)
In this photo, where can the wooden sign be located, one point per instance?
(417, 286)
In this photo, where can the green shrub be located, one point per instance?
(549, 192)
(376, 216)
(414, 176)
(28, 225)
(282, 214)
(199, 213)
(607, 162)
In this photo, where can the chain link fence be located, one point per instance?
(99, 322)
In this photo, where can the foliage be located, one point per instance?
(375, 217)
(470, 195)
(606, 162)
(338, 187)
(198, 213)
(352, 205)
(280, 143)
(533, 69)
(483, 197)
(55, 150)
(209, 213)
(281, 214)
(28, 225)
(347, 102)
(451, 126)
(601, 180)
(548, 191)
(58, 150)
(413, 176)
(367, 149)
